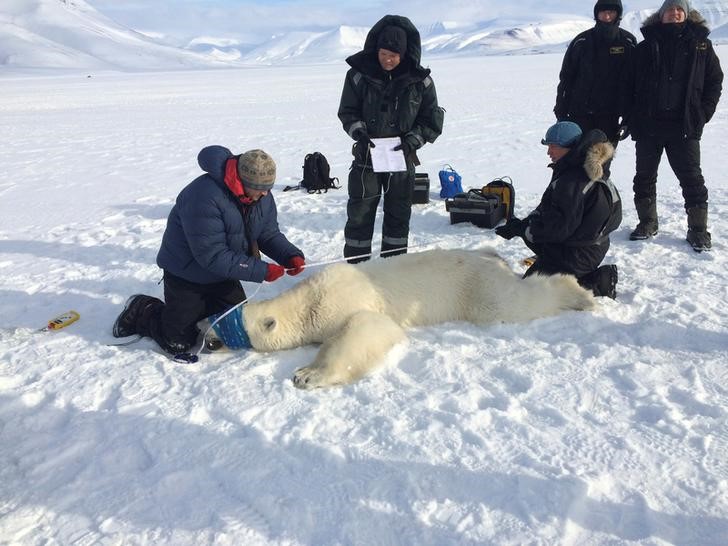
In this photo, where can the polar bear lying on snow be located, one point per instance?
(359, 312)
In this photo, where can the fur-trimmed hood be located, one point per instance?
(596, 156)
(694, 18)
(593, 151)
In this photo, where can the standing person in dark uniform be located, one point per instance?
(386, 94)
(569, 230)
(216, 231)
(595, 82)
(677, 88)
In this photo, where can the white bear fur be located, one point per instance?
(359, 312)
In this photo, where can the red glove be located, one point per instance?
(295, 265)
(275, 271)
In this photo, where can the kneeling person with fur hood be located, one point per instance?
(569, 230)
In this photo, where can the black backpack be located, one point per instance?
(316, 173)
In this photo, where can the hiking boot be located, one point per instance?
(647, 213)
(126, 322)
(698, 235)
(175, 347)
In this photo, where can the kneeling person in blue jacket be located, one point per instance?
(216, 231)
(569, 229)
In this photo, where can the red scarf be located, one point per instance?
(233, 182)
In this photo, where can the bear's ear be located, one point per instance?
(269, 324)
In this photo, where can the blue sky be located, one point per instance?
(256, 20)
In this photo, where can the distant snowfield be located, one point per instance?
(606, 427)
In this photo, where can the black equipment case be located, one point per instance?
(482, 209)
(421, 190)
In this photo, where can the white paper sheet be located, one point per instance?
(384, 158)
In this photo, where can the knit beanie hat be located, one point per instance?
(393, 38)
(682, 4)
(563, 133)
(603, 5)
(257, 170)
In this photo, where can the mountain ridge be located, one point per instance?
(71, 34)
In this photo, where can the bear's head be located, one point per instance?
(270, 328)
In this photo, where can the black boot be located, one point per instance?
(134, 309)
(389, 250)
(698, 234)
(602, 282)
(647, 213)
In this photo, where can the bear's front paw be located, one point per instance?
(310, 378)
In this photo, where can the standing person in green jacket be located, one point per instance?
(387, 93)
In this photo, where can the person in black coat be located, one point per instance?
(569, 229)
(216, 231)
(386, 93)
(594, 88)
(677, 87)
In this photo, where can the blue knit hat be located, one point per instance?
(563, 133)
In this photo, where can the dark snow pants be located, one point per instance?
(173, 325)
(684, 158)
(365, 191)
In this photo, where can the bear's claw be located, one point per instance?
(302, 378)
(311, 377)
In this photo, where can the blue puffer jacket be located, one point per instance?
(207, 240)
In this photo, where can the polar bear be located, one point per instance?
(359, 312)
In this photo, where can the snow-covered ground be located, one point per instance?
(606, 427)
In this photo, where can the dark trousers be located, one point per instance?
(365, 191)
(608, 123)
(185, 304)
(552, 258)
(684, 158)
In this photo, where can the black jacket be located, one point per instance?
(578, 209)
(678, 79)
(401, 103)
(596, 77)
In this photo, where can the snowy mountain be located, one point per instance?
(309, 47)
(497, 37)
(72, 34)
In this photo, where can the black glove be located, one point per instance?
(406, 148)
(408, 145)
(362, 137)
(512, 228)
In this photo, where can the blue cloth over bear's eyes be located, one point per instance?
(231, 330)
